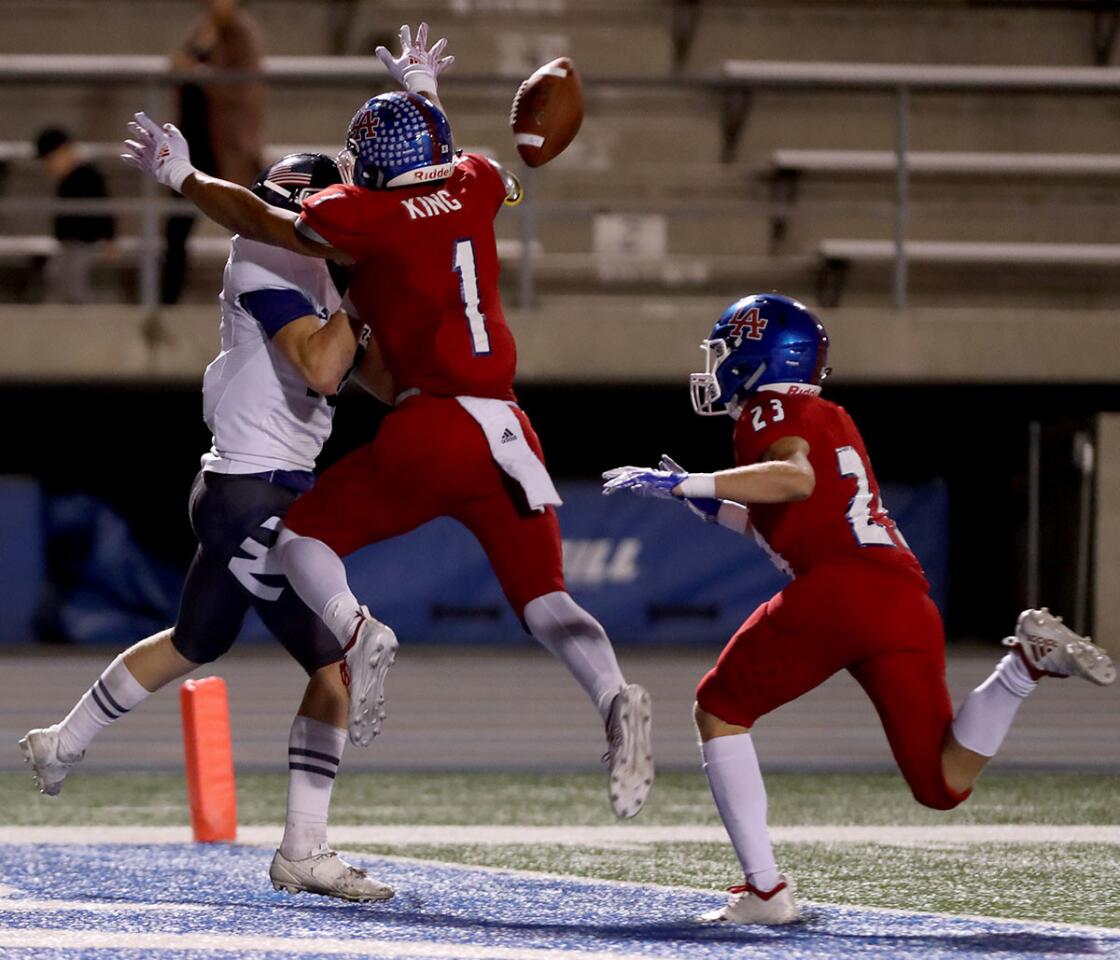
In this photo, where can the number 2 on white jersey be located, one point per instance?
(866, 529)
(468, 286)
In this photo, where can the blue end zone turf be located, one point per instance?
(102, 902)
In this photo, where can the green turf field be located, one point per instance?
(1068, 882)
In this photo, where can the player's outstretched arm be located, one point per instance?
(322, 354)
(162, 153)
(784, 475)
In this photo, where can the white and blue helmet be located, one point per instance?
(398, 140)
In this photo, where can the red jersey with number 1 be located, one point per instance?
(844, 517)
(426, 277)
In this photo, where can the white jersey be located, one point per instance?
(260, 410)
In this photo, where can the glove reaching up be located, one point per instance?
(417, 69)
(160, 152)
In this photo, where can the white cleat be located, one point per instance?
(328, 875)
(1050, 648)
(369, 655)
(629, 751)
(748, 905)
(40, 748)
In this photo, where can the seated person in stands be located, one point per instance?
(80, 235)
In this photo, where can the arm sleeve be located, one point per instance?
(275, 309)
(327, 217)
(490, 176)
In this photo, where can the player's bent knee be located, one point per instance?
(199, 650)
(555, 617)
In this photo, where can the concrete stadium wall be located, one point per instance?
(606, 340)
(1106, 592)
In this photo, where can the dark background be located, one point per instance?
(137, 447)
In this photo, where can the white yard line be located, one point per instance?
(399, 835)
(46, 937)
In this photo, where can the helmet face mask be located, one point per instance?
(398, 140)
(759, 341)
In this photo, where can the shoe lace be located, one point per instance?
(614, 734)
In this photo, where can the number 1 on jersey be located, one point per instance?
(468, 285)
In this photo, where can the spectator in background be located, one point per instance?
(222, 121)
(81, 236)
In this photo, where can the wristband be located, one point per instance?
(699, 485)
(419, 80)
(175, 171)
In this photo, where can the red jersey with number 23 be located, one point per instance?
(426, 277)
(844, 518)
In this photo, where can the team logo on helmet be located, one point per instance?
(744, 318)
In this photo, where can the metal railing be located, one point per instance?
(732, 89)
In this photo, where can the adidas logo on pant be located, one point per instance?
(508, 436)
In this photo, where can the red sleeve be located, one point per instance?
(489, 177)
(768, 418)
(331, 216)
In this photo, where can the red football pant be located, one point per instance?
(430, 459)
(879, 625)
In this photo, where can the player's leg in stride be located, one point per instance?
(578, 641)
(127, 682)
(369, 646)
(1041, 646)
(305, 863)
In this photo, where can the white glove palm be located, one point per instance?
(160, 152)
(417, 68)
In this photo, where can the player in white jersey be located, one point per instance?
(286, 349)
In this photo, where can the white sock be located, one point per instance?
(578, 641)
(987, 712)
(318, 576)
(731, 766)
(314, 753)
(114, 693)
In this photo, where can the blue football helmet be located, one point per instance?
(396, 140)
(761, 340)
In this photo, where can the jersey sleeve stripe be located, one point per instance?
(275, 309)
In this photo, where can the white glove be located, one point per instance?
(417, 68)
(160, 152)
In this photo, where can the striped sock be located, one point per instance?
(113, 694)
(314, 753)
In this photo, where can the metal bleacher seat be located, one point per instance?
(838, 256)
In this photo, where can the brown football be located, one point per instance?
(547, 112)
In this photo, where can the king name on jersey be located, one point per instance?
(431, 205)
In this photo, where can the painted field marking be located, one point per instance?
(399, 835)
(45, 937)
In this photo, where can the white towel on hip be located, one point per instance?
(511, 450)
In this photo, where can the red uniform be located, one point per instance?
(426, 277)
(859, 600)
(426, 280)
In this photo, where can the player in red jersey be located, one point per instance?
(858, 599)
(415, 226)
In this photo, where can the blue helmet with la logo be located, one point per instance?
(397, 140)
(761, 340)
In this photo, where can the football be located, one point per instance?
(547, 112)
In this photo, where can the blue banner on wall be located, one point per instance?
(647, 569)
